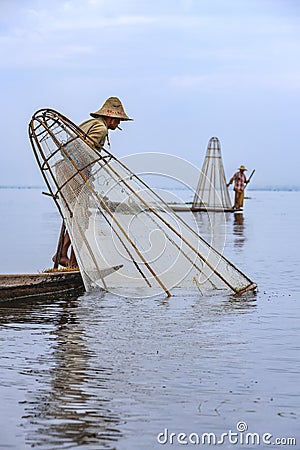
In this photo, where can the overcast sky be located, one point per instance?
(185, 70)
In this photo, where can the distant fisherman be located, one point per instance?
(240, 182)
(108, 117)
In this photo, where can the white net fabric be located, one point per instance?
(116, 221)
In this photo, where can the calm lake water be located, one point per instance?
(99, 371)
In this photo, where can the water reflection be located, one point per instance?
(217, 306)
(212, 227)
(66, 407)
(239, 229)
(94, 366)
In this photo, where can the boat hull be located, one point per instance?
(14, 286)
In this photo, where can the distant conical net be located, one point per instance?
(116, 221)
(212, 192)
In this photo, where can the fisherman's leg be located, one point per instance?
(242, 196)
(239, 200)
(236, 198)
(64, 260)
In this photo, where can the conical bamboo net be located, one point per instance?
(115, 219)
(212, 192)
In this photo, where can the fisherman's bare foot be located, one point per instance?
(72, 264)
(64, 261)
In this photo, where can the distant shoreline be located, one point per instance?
(256, 188)
(22, 187)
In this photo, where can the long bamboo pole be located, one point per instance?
(249, 179)
(178, 234)
(180, 219)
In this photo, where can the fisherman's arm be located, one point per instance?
(98, 134)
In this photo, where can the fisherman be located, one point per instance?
(240, 182)
(108, 117)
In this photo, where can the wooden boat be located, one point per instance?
(180, 207)
(17, 286)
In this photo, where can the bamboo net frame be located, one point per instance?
(114, 218)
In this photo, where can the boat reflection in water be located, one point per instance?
(66, 407)
(239, 229)
(211, 226)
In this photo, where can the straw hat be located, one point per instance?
(242, 168)
(112, 107)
